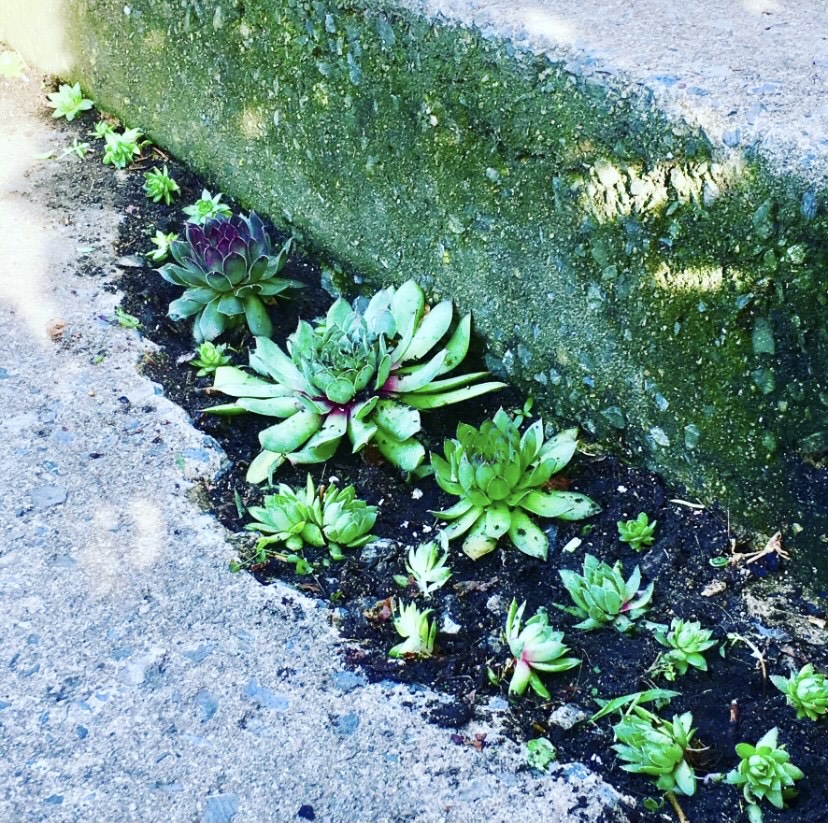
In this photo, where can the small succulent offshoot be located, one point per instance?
(326, 516)
(101, 129)
(209, 357)
(419, 632)
(162, 243)
(160, 186)
(687, 641)
(536, 647)
(656, 747)
(120, 149)
(68, 101)
(499, 476)
(206, 207)
(228, 270)
(805, 690)
(427, 567)
(638, 533)
(363, 375)
(603, 598)
(764, 772)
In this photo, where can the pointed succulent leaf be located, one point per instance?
(291, 433)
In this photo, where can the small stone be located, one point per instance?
(265, 697)
(567, 716)
(474, 791)
(207, 704)
(220, 808)
(131, 261)
(495, 603)
(44, 497)
(449, 626)
(348, 681)
(347, 724)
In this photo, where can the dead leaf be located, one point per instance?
(819, 622)
(55, 329)
(716, 587)
(381, 611)
(469, 586)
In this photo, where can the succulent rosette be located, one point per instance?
(325, 516)
(805, 690)
(603, 598)
(536, 647)
(499, 476)
(228, 270)
(764, 773)
(364, 375)
(656, 747)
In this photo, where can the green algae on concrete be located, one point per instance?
(670, 299)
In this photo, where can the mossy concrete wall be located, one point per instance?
(670, 300)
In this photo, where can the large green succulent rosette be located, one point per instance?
(499, 476)
(364, 375)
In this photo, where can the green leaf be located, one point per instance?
(210, 323)
(636, 698)
(290, 434)
(430, 331)
(258, 320)
(497, 522)
(435, 401)
(564, 505)
(263, 466)
(399, 421)
(458, 345)
(406, 455)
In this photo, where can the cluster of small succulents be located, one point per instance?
(363, 373)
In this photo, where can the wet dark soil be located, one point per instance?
(732, 702)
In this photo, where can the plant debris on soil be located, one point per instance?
(731, 703)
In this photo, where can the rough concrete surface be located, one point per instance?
(750, 72)
(139, 679)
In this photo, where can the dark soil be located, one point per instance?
(730, 703)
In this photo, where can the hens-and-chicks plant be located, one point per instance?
(364, 373)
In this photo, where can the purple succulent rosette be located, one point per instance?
(228, 270)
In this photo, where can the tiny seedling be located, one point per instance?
(205, 207)
(120, 149)
(638, 533)
(426, 567)
(687, 641)
(603, 598)
(209, 357)
(540, 754)
(101, 129)
(77, 148)
(125, 320)
(162, 243)
(805, 690)
(160, 186)
(419, 633)
(764, 772)
(535, 648)
(68, 101)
